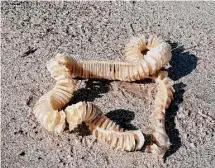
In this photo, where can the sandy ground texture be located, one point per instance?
(32, 33)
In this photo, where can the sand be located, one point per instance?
(33, 32)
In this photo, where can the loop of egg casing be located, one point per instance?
(157, 52)
(63, 69)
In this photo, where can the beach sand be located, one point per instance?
(34, 32)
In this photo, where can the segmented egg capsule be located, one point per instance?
(157, 52)
(102, 127)
(110, 70)
(138, 65)
(163, 99)
(48, 108)
(63, 69)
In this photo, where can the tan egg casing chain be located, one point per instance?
(102, 127)
(159, 55)
(160, 140)
(133, 52)
(48, 109)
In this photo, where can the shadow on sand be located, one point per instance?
(122, 118)
(183, 63)
(94, 89)
(170, 125)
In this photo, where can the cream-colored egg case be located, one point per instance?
(102, 127)
(139, 66)
(48, 109)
